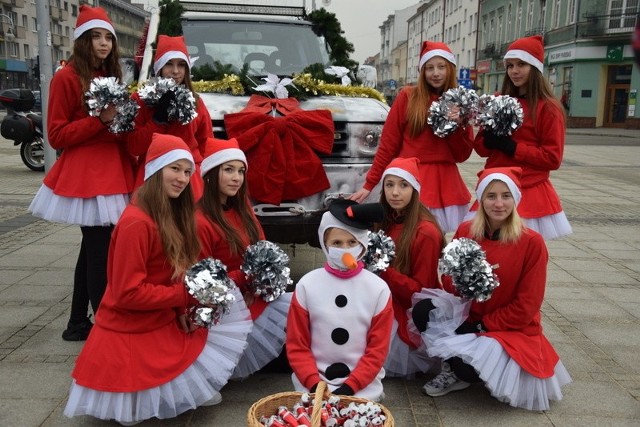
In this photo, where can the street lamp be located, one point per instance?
(8, 35)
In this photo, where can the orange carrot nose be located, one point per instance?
(349, 261)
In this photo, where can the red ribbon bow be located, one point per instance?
(262, 104)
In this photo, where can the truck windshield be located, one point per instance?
(266, 47)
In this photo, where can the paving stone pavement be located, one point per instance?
(590, 314)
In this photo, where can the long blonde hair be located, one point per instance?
(175, 218)
(414, 212)
(512, 227)
(420, 99)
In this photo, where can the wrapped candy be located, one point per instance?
(182, 107)
(501, 114)
(380, 252)
(207, 281)
(465, 99)
(107, 90)
(266, 267)
(464, 260)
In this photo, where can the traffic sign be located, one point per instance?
(464, 74)
(465, 83)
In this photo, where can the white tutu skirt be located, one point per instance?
(550, 227)
(450, 217)
(404, 361)
(198, 384)
(503, 377)
(99, 211)
(267, 337)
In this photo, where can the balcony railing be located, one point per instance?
(602, 25)
(14, 3)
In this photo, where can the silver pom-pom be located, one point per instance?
(207, 281)
(107, 90)
(465, 99)
(182, 107)
(266, 267)
(380, 252)
(464, 260)
(501, 114)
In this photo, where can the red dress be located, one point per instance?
(442, 185)
(194, 134)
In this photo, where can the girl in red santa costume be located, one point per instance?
(499, 341)
(419, 242)
(144, 358)
(341, 315)
(406, 133)
(171, 61)
(226, 227)
(89, 184)
(538, 145)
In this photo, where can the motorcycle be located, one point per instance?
(23, 127)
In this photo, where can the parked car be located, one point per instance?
(37, 106)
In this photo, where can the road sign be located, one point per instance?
(464, 74)
(465, 83)
(392, 84)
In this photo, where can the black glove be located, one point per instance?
(503, 143)
(313, 388)
(469, 328)
(344, 390)
(161, 114)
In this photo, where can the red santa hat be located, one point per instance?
(509, 175)
(170, 48)
(527, 49)
(92, 17)
(219, 151)
(164, 150)
(405, 168)
(431, 49)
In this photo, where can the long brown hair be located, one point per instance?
(537, 88)
(512, 227)
(212, 207)
(82, 60)
(175, 218)
(420, 99)
(413, 213)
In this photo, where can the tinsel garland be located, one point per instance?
(501, 114)
(464, 260)
(380, 252)
(266, 267)
(182, 107)
(104, 91)
(465, 99)
(207, 281)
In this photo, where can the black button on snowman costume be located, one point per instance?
(339, 323)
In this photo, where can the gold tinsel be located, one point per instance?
(229, 84)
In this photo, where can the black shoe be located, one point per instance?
(77, 332)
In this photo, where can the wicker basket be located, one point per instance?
(269, 405)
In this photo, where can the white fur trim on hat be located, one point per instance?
(436, 52)
(167, 158)
(220, 157)
(524, 56)
(513, 188)
(404, 175)
(172, 54)
(94, 23)
(329, 221)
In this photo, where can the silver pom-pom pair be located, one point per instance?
(464, 260)
(207, 281)
(380, 252)
(182, 107)
(465, 99)
(107, 90)
(501, 114)
(266, 267)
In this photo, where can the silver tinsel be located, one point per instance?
(465, 99)
(501, 114)
(182, 108)
(107, 90)
(380, 252)
(464, 260)
(207, 281)
(266, 267)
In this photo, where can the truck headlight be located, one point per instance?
(367, 138)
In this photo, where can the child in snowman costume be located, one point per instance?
(339, 322)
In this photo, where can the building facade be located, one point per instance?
(19, 35)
